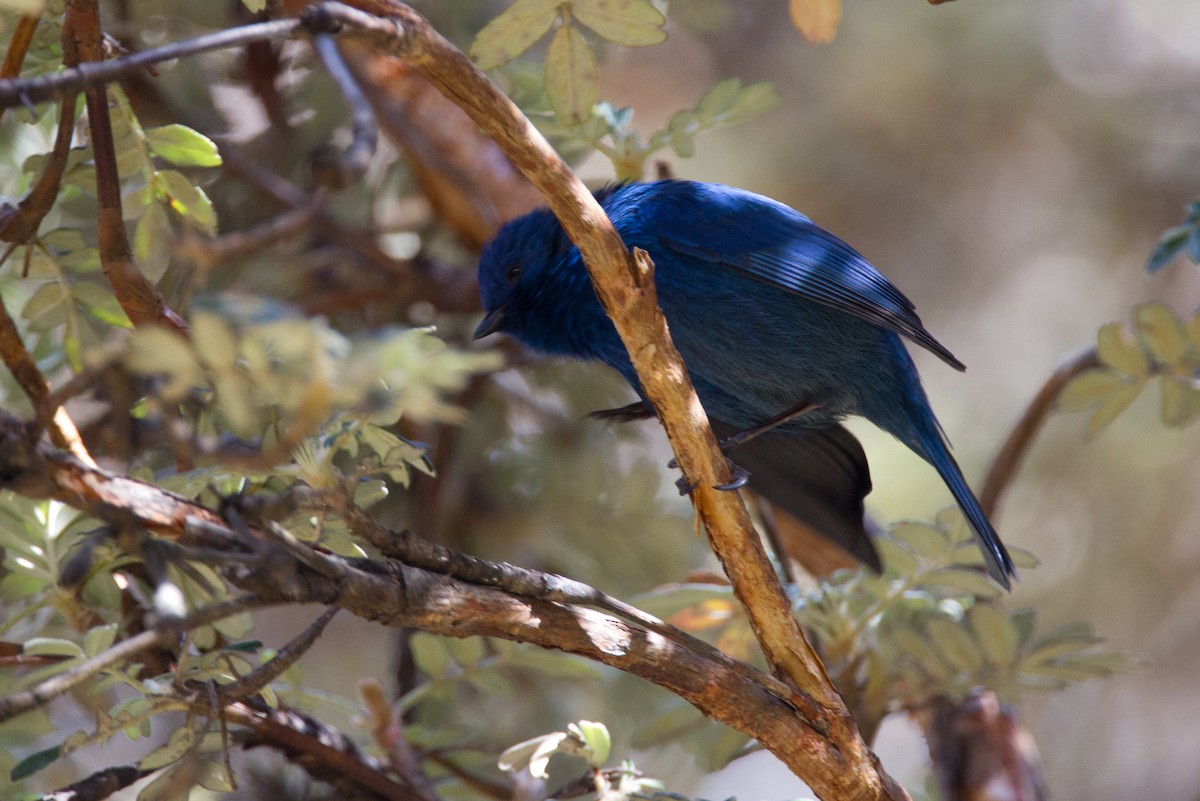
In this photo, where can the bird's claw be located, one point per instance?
(740, 476)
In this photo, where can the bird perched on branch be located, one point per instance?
(785, 329)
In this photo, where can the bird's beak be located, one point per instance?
(490, 324)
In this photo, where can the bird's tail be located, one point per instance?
(912, 421)
(995, 556)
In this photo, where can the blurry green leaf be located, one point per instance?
(1118, 349)
(633, 23)
(182, 146)
(491, 683)
(924, 540)
(954, 643)
(1172, 242)
(1090, 388)
(81, 261)
(967, 581)
(429, 654)
(996, 633)
(570, 75)
(467, 651)
(99, 638)
(596, 738)
(154, 350)
(817, 20)
(922, 651)
(751, 101)
(214, 775)
(1111, 407)
(213, 340)
(35, 762)
(513, 32)
(897, 559)
(718, 100)
(1180, 401)
(1161, 333)
(51, 646)
(49, 299)
(176, 746)
(1022, 558)
(101, 303)
(152, 239)
(187, 200)
(533, 754)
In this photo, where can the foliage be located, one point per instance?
(932, 625)
(1161, 346)
(571, 79)
(1183, 238)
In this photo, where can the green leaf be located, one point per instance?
(1172, 242)
(51, 646)
(572, 82)
(468, 651)
(1161, 333)
(997, 634)
(1180, 402)
(922, 539)
(429, 654)
(752, 101)
(35, 762)
(176, 746)
(718, 100)
(897, 559)
(82, 261)
(533, 754)
(99, 638)
(187, 200)
(513, 32)
(182, 146)
(1090, 388)
(597, 739)
(152, 241)
(633, 23)
(101, 303)
(1118, 349)
(954, 643)
(47, 303)
(965, 581)
(1111, 407)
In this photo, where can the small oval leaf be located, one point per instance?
(572, 82)
(633, 23)
(513, 32)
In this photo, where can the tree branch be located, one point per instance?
(1016, 445)
(624, 284)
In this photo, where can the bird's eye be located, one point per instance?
(514, 272)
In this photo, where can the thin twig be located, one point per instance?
(1016, 445)
(89, 74)
(159, 634)
(364, 136)
(266, 673)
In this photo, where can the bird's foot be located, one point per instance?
(740, 476)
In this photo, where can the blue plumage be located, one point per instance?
(768, 310)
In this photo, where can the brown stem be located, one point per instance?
(1012, 453)
(18, 46)
(141, 301)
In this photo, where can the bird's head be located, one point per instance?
(534, 286)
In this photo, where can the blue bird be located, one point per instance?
(784, 327)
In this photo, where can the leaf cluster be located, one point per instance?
(1162, 346)
(609, 130)
(571, 79)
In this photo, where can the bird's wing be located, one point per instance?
(770, 242)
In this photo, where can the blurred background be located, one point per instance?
(1010, 166)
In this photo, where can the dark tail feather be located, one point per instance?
(999, 565)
